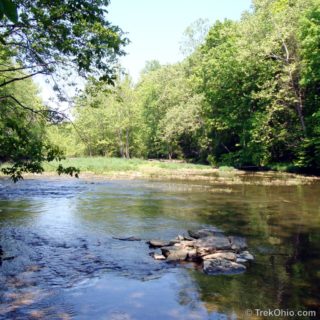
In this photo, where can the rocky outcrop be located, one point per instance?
(216, 252)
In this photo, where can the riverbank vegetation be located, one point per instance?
(102, 168)
(246, 96)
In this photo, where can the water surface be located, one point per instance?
(67, 265)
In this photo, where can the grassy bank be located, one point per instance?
(103, 165)
(118, 168)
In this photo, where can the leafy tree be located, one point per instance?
(194, 36)
(109, 119)
(252, 74)
(171, 112)
(8, 9)
(53, 38)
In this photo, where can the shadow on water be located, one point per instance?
(68, 265)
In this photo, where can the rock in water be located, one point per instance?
(239, 260)
(246, 255)
(238, 243)
(202, 233)
(212, 244)
(221, 255)
(218, 253)
(157, 256)
(132, 238)
(158, 243)
(222, 266)
(174, 253)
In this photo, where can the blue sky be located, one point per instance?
(155, 27)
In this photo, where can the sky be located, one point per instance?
(155, 27)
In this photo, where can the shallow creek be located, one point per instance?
(62, 261)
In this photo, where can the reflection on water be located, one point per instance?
(67, 265)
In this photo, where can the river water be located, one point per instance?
(62, 261)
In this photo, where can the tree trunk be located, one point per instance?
(299, 108)
(127, 144)
(120, 143)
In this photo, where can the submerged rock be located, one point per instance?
(132, 238)
(238, 243)
(8, 258)
(222, 266)
(202, 233)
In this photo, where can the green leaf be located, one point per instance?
(10, 10)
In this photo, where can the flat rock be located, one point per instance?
(158, 243)
(158, 256)
(174, 253)
(246, 255)
(212, 244)
(221, 255)
(238, 243)
(187, 244)
(188, 238)
(202, 233)
(222, 266)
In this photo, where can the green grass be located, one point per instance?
(227, 168)
(103, 165)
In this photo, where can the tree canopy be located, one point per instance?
(245, 95)
(55, 39)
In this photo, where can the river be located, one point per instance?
(62, 260)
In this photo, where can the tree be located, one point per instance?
(194, 36)
(171, 111)
(256, 76)
(109, 119)
(53, 38)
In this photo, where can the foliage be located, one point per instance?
(247, 95)
(109, 120)
(253, 74)
(8, 9)
(171, 112)
(57, 39)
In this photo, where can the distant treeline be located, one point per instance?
(248, 95)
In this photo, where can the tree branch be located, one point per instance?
(24, 68)
(21, 78)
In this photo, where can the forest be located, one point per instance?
(246, 95)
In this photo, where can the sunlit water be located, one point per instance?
(67, 265)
